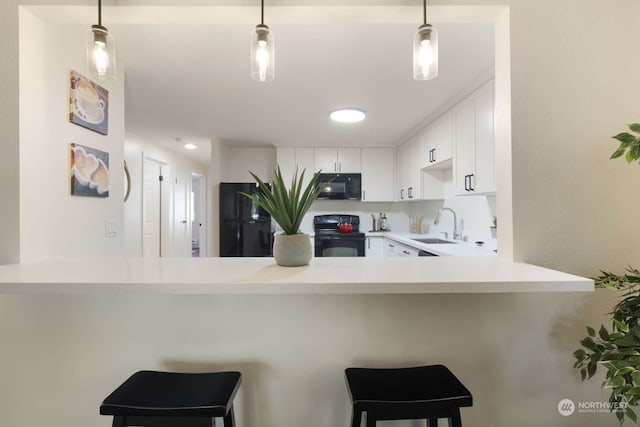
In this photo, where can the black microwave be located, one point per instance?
(340, 186)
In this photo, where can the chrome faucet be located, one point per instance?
(456, 234)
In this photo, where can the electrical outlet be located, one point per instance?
(110, 228)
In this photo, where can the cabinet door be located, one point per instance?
(403, 170)
(374, 247)
(414, 188)
(305, 161)
(484, 178)
(439, 140)
(349, 160)
(286, 158)
(464, 134)
(377, 174)
(326, 159)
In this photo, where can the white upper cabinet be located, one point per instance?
(474, 158)
(409, 169)
(291, 158)
(338, 160)
(377, 174)
(438, 141)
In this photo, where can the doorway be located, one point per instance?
(152, 199)
(198, 215)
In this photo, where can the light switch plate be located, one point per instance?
(110, 228)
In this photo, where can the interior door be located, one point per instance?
(151, 208)
(182, 215)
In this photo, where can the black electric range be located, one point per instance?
(329, 241)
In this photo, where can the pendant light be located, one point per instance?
(425, 50)
(262, 51)
(101, 51)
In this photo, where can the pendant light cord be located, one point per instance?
(262, 12)
(424, 11)
(100, 12)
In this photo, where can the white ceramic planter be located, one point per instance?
(292, 250)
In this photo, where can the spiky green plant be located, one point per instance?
(286, 206)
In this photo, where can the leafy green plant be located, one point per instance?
(618, 349)
(629, 144)
(286, 206)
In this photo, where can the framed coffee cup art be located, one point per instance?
(88, 104)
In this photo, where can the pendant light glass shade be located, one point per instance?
(262, 54)
(101, 51)
(425, 53)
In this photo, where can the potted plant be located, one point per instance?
(287, 207)
(618, 349)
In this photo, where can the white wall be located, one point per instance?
(54, 223)
(136, 149)
(240, 160)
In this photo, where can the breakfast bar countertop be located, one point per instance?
(360, 275)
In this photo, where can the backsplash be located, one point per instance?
(476, 212)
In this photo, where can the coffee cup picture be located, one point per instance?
(88, 104)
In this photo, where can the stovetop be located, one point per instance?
(327, 225)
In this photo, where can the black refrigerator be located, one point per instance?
(245, 228)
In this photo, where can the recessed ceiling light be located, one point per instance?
(190, 146)
(347, 115)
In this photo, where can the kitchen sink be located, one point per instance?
(433, 241)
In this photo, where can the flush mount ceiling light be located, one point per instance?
(262, 51)
(101, 51)
(189, 146)
(425, 50)
(347, 115)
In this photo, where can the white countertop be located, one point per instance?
(359, 275)
(457, 248)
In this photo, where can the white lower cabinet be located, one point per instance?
(374, 247)
(393, 248)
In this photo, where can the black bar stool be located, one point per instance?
(164, 399)
(424, 392)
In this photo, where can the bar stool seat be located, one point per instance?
(158, 399)
(423, 392)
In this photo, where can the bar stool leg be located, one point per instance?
(371, 419)
(118, 421)
(432, 422)
(454, 419)
(356, 418)
(229, 419)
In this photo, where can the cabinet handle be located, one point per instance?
(410, 192)
(406, 252)
(470, 187)
(466, 183)
(391, 246)
(364, 197)
(335, 166)
(402, 194)
(369, 243)
(430, 156)
(433, 155)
